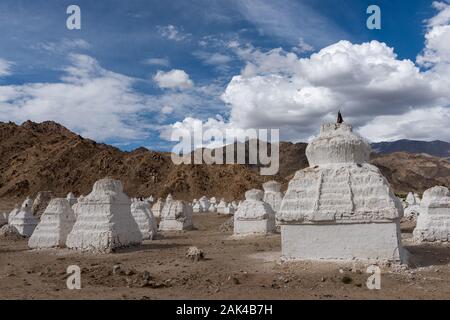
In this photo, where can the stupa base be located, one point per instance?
(174, 225)
(360, 241)
(254, 227)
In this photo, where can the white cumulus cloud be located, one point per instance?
(173, 79)
(89, 100)
(382, 96)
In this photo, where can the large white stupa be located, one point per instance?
(340, 207)
(104, 221)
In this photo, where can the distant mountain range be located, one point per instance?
(47, 156)
(435, 148)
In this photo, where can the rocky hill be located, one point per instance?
(46, 156)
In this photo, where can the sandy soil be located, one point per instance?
(233, 269)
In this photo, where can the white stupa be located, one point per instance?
(24, 221)
(272, 194)
(412, 209)
(433, 222)
(221, 207)
(341, 207)
(213, 200)
(196, 207)
(176, 215)
(56, 223)
(157, 208)
(13, 213)
(254, 216)
(71, 198)
(104, 220)
(212, 208)
(229, 209)
(144, 218)
(204, 203)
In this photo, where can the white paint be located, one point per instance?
(56, 223)
(365, 241)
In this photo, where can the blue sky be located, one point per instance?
(53, 73)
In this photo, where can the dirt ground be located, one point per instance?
(232, 269)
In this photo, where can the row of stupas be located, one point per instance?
(339, 208)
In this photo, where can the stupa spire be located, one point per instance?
(339, 117)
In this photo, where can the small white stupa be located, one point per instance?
(56, 223)
(24, 221)
(196, 207)
(71, 198)
(144, 218)
(229, 209)
(221, 207)
(213, 200)
(176, 215)
(104, 220)
(212, 208)
(204, 203)
(272, 194)
(412, 209)
(157, 208)
(254, 216)
(433, 222)
(341, 207)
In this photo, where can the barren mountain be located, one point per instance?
(47, 156)
(435, 148)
